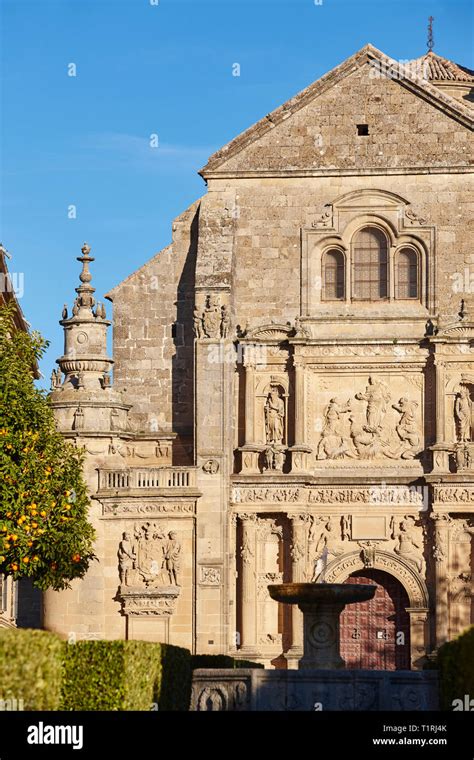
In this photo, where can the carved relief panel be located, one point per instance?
(371, 416)
(150, 569)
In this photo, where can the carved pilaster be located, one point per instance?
(440, 410)
(248, 634)
(249, 402)
(299, 545)
(442, 523)
(300, 450)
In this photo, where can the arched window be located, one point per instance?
(407, 274)
(370, 265)
(333, 276)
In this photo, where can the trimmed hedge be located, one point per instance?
(49, 674)
(456, 669)
(220, 661)
(126, 675)
(30, 668)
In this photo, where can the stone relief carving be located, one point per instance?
(211, 466)
(210, 576)
(368, 553)
(410, 547)
(414, 218)
(266, 494)
(151, 559)
(126, 558)
(274, 458)
(383, 495)
(369, 438)
(346, 527)
(463, 456)
(454, 494)
(119, 509)
(463, 414)
(407, 428)
(323, 544)
(377, 397)
(212, 322)
(325, 219)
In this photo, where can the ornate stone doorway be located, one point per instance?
(375, 635)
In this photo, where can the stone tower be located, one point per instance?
(85, 401)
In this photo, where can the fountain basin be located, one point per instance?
(317, 593)
(321, 605)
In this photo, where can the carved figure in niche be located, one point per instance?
(197, 323)
(463, 411)
(78, 422)
(407, 428)
(377, 396)
(225, 321)
(126, 558)
(211, 319)
(274, 416)
(172, 563)
(408, 547)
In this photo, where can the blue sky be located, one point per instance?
(164, 69)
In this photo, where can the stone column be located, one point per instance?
(442, 523)
(440, 402)
(234, 634)
(418, 636)
(298, 567)
(250, 451)
(248, 634)
(249, 401)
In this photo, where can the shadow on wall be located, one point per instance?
(29, 605)
(183, 361)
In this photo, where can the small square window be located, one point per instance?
(362, 129)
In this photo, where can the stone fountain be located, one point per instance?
(321, 681)
(321, 605)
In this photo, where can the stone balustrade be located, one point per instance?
(137, 478)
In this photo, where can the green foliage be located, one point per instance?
(220, 661)
(126, 675)
(456, 669)
(247, 664)
(176, 679)
(44, 531)
(30, 668)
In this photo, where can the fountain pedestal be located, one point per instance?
(321, 605)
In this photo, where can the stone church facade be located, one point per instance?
(293, 384)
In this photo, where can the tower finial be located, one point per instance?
(84, 292)
(430, 41)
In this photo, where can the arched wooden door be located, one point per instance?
(375, 635)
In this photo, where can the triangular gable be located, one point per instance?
(367, 55)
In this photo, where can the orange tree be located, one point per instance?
(44, 531)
